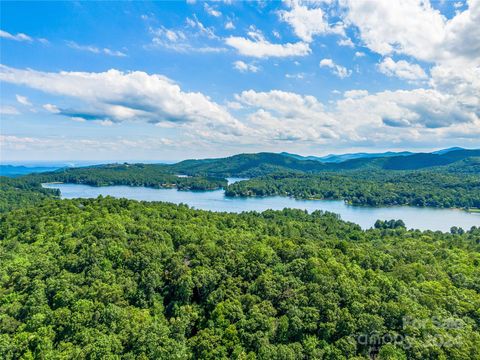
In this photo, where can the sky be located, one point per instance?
(173, 80)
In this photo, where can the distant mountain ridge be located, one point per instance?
(252, 165)
(336, 158)
(14, 170)
(259, 164)
(444, 151)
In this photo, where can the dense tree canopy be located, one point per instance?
(149, 175)
(119, 279)
(259, 164)
(373, 188)
(18, 192)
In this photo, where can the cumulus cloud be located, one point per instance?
(229, 25)
(360, 117)
(355, 93)
(308, 20)
(286, 116)
(346, 42)
(340, 71)
(451, 102)
(126, 96)
(234, 105)
(416, 29)
(419, 108)
(262, 48)
(402, 69)
(256, 45)
(244, 67)
(461, 83)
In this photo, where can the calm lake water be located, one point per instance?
(417, 218)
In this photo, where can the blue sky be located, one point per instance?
(174, 80)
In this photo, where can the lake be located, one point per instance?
(414, 217)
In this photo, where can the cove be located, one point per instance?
(414, 217)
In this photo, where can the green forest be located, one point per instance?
(19, 192)
(150, 175)
(260, 164)
(371, 188)
(117, 279)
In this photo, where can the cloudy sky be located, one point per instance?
(174, 80)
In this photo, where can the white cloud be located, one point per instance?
(298, 76)
(110, 52)
(402, 69)
(51, 108)
(359, 54)
(234, 105)
(355, 93)
(340, 71)
(307, 21)
(346, 42)
(255, 33)
(201, 29)
(426, 116)
(23, 100)
(284, 116)
(413, 109)
(416, 29)
(185, 46)
(94, 49)
(410, 27)
(16, 37)
(8, 110)
(257, 46)
(211, 11)
(261, 48)
(244, 67)
(122, 96)
(173, 35)
(461, 83)
(229, 25)
(191, 38)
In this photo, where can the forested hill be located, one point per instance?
(150, 175)
(448, 189)
(117, 279)
(252, 165)
(13, 171)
